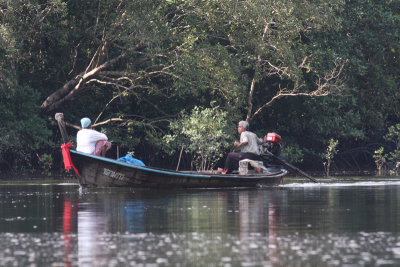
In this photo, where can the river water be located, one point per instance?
(349, 222)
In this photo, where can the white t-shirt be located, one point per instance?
(86, 140)
(253, 142)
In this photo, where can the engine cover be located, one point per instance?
(273, 137)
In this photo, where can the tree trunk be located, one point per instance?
(254, 80)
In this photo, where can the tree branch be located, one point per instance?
(71, 87)
(66, 92)
(330, 84)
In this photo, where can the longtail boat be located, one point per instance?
(93, 171)
(96, 171)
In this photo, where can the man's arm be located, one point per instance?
(99, 136)
(238, 144)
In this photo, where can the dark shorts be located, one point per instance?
(232, 161)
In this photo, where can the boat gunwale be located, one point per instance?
(151, 169)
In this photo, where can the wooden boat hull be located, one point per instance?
(97, 171)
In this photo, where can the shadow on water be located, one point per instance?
(338, 222)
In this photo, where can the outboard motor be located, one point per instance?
(272, 144)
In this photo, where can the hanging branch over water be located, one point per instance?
(69, 89)
(330, 84)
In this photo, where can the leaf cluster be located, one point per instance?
(204, 133)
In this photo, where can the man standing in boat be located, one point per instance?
(91, 141)
(249, 145)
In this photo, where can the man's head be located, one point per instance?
(85, 122)
(243, 126)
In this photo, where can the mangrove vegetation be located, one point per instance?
(169, 80)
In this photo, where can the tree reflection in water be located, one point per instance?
(237, 227)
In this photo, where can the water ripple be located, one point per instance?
(343, 184)
(201, 249)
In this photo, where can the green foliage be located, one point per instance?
(203, 133)
(389, 161)
(294, 152)
(184, 54)
(365, 35)
(21, 126)
(7, 64)
(380, 160)
(393, 157)
(214, 75)
(330, 153)
(46, 163)
(393, 135)
(370, 31)
(22, 130)
(37, 31)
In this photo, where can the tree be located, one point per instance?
(369, 41)
(366, 37)
(380, 160)
(204, 133)
(393, 157)
(136, 48)
(330, 153)
(270, 40)
(23, 133)
(133, 66)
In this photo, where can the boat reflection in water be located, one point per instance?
(67, 231)
(91, 226)
(258, 215)
(163, 226)
(321, 225)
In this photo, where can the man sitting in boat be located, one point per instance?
(91, 141)
(249, 145)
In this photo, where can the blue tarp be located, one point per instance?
(129, 159)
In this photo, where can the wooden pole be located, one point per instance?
(291, 166)
(179, 161)
(61, 124)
